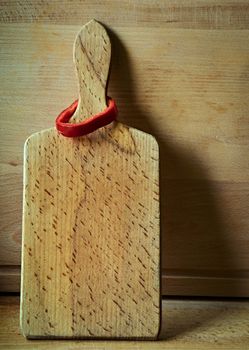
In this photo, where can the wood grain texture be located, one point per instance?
(91, 235)
(92, 57)
(195, 14)
(194, 100)
(186, 324)
(10, 278)
(91, 232)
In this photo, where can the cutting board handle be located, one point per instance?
(92, 56)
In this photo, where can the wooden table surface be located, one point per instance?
(180, 72)
(186, 324)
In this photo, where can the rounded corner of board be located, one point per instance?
(154, 140)
(38, 134)
(22, 329)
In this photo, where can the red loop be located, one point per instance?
(87, 126)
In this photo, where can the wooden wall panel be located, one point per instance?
(179, 72)
(199, 14)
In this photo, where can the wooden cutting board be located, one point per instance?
(91, 233)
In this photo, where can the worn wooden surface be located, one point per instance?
(186, 324)
(92, 57)
(91, 231)
(180, 72)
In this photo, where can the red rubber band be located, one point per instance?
(87, 126)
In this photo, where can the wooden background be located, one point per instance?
(180, 72)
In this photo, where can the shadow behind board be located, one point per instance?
(192, 227)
